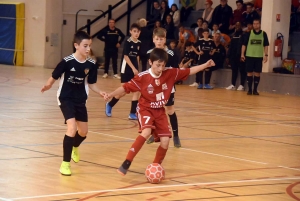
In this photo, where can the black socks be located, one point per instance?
(174, 124)
(78, 139)
(250, 81)
(68, 146)
(113, 102)
(133, 106)
(256, 82)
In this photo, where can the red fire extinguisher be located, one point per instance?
(278, 45)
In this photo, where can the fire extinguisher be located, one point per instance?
(278, 45)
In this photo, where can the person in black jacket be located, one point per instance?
(112, 37)
(145, 38)
(221, 16)
(170, 28)
(234, 55)
(165, 10)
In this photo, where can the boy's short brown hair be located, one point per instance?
(81, 35)
(160, 32)
(158, 55)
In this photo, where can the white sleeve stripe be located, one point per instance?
(176, 74)
(136, 84)
(149, 51)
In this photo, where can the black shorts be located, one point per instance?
(171, 100)
(254, 64)
(74, 110)
(127, 76)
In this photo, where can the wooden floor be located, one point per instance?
(234, 147)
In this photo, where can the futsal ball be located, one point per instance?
(155, 173)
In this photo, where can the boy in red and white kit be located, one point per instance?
(155, 86)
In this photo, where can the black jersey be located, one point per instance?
(219, 55)
(171, 58)
(188, 55)
(74, 78)
(111, 38)
(131, 49)
(206, 46)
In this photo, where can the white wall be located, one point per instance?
(272, 27)
(70, 8)
(53, 32)
(35, 21)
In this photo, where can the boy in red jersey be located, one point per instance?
(155, 86)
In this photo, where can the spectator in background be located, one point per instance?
(144, 37)
(248, 28)
(221, 16)
(205, 26)
(184, 36)
(175, 14)
(157, 24)
(196, 56)
(258, 6)
(187, 7)
(170, 28)
(173, 47)
(199, 25)
(237, 15)
(215, 29)
(188, 56)
(112, 37)
(204, 47)
(220, 53)
(254, 54)
(156, 13)
(234, 55)
(208, 11)
(165, 10)
(250, 14)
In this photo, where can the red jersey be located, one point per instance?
(155, 90)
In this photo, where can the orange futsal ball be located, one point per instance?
(155, 173)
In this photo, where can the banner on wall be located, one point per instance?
(12, 22)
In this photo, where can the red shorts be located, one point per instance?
(155, 119)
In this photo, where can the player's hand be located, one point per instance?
(186, 65)
(45, 88)
(210, 63)
(135, 71)
(181, 65)
(102, 93)
(118, 45)
(106, 97)
(201, 52)
(265, 59)
(243, 58)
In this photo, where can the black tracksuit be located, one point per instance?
(111, 38)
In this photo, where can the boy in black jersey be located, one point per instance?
(159, 40)
(188, 56)
(77, 74)
(204, 47)
(129, 68)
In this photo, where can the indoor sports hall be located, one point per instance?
(234, 146)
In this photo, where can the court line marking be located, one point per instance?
(221, 115)
(159, 187)
(99, 133)
(4, 199)
(204, 152)
(241, 159)
(289, 168)
(242, 118)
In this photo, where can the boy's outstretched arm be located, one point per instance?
(118, 91)
(48, 85)
(196, 69)
(95, 89)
